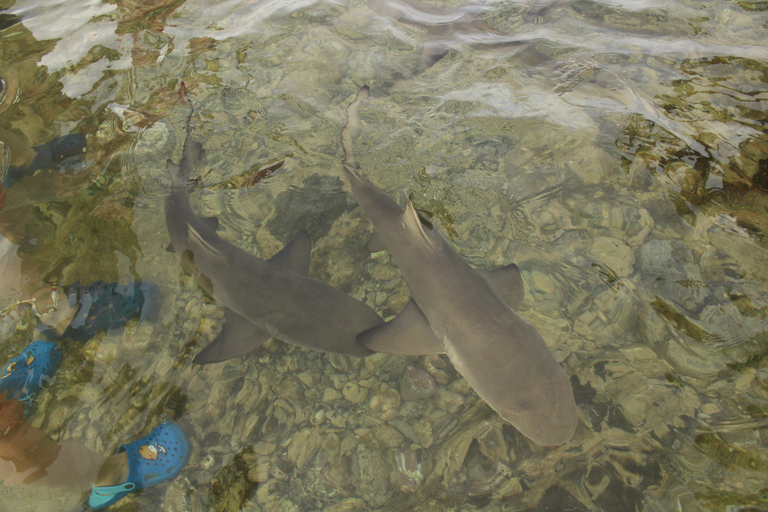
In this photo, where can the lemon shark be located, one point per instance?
(264, 299)
(465, 313)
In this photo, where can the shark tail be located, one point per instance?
(5, 163)
(192, 153)
(352, 131)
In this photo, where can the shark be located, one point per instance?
(468, 314)
(263, 298)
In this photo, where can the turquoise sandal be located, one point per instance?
(26, 373)
(152, 459)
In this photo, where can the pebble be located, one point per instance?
(207, 462)
(330, 395)
(450, 401)
(613, 253)
(385, 403)
(416, 384)
(354, 393)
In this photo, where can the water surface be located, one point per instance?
(616, 151)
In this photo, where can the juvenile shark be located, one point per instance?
(464, 313)
(264, 299)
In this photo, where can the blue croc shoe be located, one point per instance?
(152, 459)
(26, 373)
(102, 306)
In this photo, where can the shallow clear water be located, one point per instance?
(616, 151)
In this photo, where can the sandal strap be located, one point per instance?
(108, 491)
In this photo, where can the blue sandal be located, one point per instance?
(26, 373)
(103, 306)
(152, 459)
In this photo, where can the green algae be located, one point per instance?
(231, 486)
(729, 455)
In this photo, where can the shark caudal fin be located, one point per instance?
(352, 131)
(192, 153)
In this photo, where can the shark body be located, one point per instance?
(264, 299)
(466, 314)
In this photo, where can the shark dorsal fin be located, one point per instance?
(195, 238)
(413, 223)
(295, 255)
(507, 284)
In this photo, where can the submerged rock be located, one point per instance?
(416, 384)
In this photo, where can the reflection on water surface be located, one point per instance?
(617, 152)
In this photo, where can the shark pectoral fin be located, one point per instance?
(407, 334)
(295, 255)
(211, 222)
(237, 337)
(507, 284)
(376, 243)
(170, 248)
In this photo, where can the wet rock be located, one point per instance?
(177, 499)
(385, 367)
(338, 420)
(416, 384)
(493, 445)
(408, 476)
(420, 432)
(330, 395)
(304, 446)
(263, 448)
(557, 499)
(207, 462)
(485, 475)
(663, 258)
(329, 449)
(371, 468)
(339, 362)
(267, 491)
(259, 469)
(230, 487)
(278, 419)
(348, 505)
(613, 253)
(387, 436)
(338, 380)
(338, 473)
(450, 401)
(591, 164)
(354, 393)
(437, 367)
(318, 417)
(308, 379)
(385, 403)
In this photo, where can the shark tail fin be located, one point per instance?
(193, 150)
(352, 131)
(5, 163)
